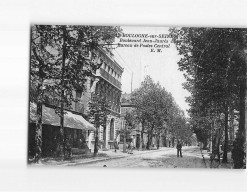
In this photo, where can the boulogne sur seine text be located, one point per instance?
(159, 41)
(160, 36)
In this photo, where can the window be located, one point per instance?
(78, 94)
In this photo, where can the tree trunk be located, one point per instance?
(62, 140)
(141, 137)
(124, 144)
(38, 133)
(158, 142)
(140, 142)
(211, 136)
(166, 139)
(242, 131)
(218, 144)
(218, 149)
(150, 136)
(231, 123)
(245, 104)
(205, 144)
(104, 135)
(96, 140)
(224, 160)
(147, 146)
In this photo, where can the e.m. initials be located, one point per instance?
(156, 50)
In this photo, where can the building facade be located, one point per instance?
(78, 130)
(106, 81)
(135, 135)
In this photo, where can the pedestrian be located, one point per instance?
(179, 149)
(115, 144)
(128, 147)
(131, 147)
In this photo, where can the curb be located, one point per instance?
(93, 161)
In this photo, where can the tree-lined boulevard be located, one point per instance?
(163, 158)
(213, 62)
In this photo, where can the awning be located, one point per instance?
(71, 120)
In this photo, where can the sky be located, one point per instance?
(161, 67)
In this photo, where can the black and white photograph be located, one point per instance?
(137, 97)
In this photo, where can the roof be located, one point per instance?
(49, 117)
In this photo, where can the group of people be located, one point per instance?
(130, 146)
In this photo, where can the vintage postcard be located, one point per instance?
(137, 96)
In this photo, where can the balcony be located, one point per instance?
(110, 78)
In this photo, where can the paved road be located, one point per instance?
(164, 158)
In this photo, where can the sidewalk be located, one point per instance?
(214, 164)
(89, 158)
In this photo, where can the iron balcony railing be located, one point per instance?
(110, 78)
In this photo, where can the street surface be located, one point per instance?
(163, 158)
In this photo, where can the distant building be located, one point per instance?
(128, 107)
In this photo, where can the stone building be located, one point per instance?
(76, 128)
(107, 79)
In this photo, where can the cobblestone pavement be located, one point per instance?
(163, 158)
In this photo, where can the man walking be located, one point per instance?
(115, 145)
(179, 149)
(131, 147)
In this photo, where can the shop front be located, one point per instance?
(76, 129)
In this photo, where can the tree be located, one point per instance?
(155, 109)
(129, 125)
(62, 58)
(212, 62)
(99, 109)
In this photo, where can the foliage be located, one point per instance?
(99, 109)
(62, 58)
(157, 110)
(129, 124)
(212, 60)
(75, 45)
